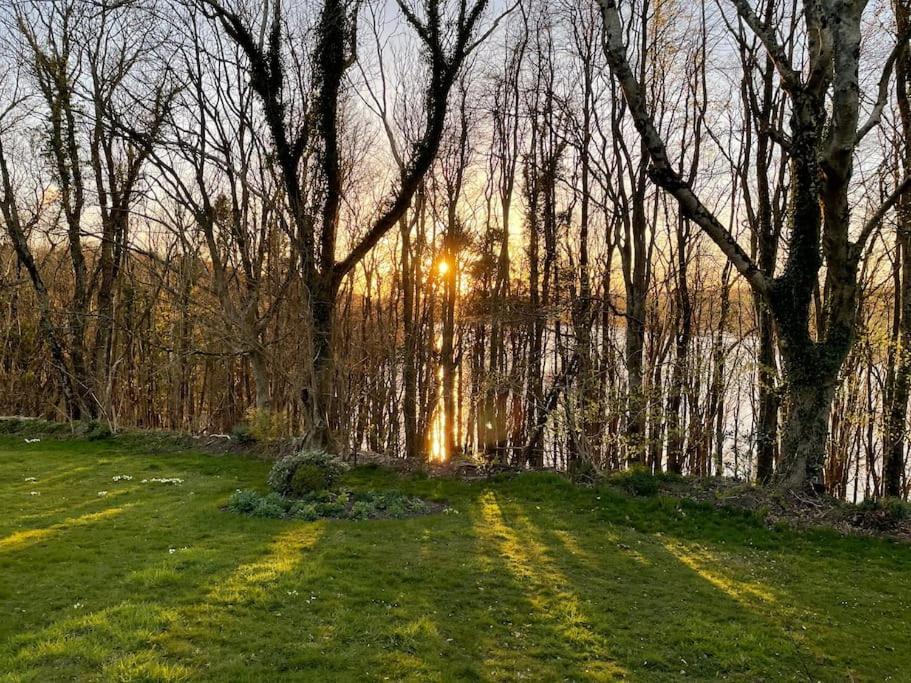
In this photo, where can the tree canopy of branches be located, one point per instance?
(587, 234)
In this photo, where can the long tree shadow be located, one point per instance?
(777, 625)
(657, 614)
(370, 601)
(550, 629)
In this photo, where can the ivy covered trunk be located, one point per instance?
(319, 396)
(808, 401)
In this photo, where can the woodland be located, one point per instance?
(571, 235)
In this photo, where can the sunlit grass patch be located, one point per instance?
(254, 580)
(713, 570)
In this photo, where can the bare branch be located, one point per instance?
(789, 76)
(898, 51)
(662, 173)
(873, 222)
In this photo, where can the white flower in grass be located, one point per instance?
(163, 480)
(31, 479)
(121, 477)
(172, 550)
(102, 494)
(34, 493)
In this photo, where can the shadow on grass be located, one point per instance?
(739, 597)
(532, 579)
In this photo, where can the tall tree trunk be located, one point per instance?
(409, 371)
(808, 401)
(320, 401)
(447, 351)
(260, 369)
(634, 341)
(767, 412)
(683, 335)
(897, 405)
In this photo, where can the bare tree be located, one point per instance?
(446, 44)
(821, 143)
(83, 61)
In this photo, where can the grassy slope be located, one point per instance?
(533, 579)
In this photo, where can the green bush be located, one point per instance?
(396, 504)
(95, 430)
(637, 481)
(336, 505)
(321, 471)
(327, 505)
(271, 505)
(363, 509)
(414, 504)
(15, 425)
(243, 502)
(308, 477)
(396, 508)
(305, 511)
(324, 496)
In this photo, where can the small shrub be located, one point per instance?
(12, 425)
(242, 434)
(271, 505)
(363, 509)
(95, 430)
(315, 505)
(243, 502)
(392, 504)
(324, 496)
(34, 427)
(396, 508)
(415, 505)
(282, 476)
(636, 481)
(335, 506)
(332, 510)
(305, 511)
(308, 477)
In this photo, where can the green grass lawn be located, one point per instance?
(530, 579)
